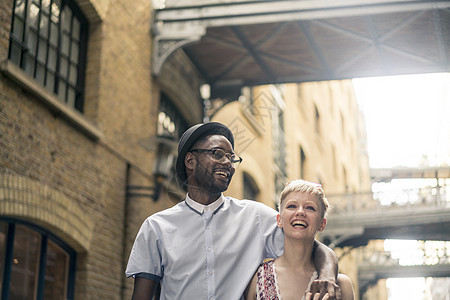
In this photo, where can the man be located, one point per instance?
(209, 246)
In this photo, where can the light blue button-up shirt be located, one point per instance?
(205, 252)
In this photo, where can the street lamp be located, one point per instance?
(165, 157)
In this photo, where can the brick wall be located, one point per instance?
(73, 184)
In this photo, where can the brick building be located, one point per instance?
(83, 123)
(78, 124)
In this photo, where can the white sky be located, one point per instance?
(407, 119)
(408, 124)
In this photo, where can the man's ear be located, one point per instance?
(189, 161)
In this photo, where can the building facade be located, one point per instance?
(88, 137)
(81, 121)
(314, 131)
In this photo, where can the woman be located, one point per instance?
(302, 209)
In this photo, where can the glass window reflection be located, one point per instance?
(34, 264)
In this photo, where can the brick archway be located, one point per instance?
(31, 200)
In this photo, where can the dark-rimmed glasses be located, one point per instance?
(219, 155)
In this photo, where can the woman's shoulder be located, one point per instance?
(266, 268)
(269, 262)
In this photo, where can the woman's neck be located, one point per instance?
(297, 255)
(294, 268)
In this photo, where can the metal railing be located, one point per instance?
(423, 253)
(429, 197)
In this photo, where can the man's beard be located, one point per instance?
(207, 181)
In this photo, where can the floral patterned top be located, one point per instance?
(267, 284)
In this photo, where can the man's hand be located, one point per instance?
(316, 296)
(324, 290)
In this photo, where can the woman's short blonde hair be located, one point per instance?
(304, 186)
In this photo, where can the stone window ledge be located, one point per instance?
(71, 115)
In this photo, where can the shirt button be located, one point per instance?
(210, 249)
(208, 227)
(210, 273)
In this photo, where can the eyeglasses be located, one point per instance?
(219, 155)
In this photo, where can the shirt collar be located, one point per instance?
(202, 208)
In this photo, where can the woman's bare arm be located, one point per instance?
(250, 291)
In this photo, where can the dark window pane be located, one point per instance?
(66, 19)
(250, 188)
(32, 42)
(20, 8)
(62, 91)
(54, 34)
(76, 28)
(43, 30)
(3, 232)
(64, 67)
(34, 16)
(18, 28)
(50, 83)
(40, 74)
(29, 65)
(52, 59)
(65, 44)
(45, 5)
(73, 75)
(15, 54)
(42, 51)
(27, 245)
(71, 96)
(74, 52)
(55, 11)
(56, 272)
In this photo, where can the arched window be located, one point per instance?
(34, 263)
(251, 190)
(317, 120)
(302, 163)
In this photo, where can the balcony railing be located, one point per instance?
(430, 197)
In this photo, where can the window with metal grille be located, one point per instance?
(34, 263)
(48, 41)
(171, 123)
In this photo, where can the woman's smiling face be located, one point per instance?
(301, 215)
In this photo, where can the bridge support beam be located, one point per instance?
(180, 23)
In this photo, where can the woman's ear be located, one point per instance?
(323, 225)
(279, 221)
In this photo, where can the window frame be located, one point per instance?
(46, 236)
(24, 52)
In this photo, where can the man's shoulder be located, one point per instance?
(249, 204)
(175, 210)
(242, 202)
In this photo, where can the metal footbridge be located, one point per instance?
(236, 43)
(414, 214)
